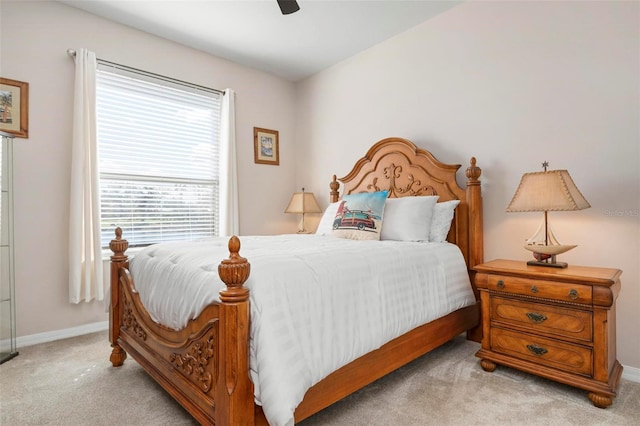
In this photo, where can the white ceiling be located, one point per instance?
(255, 33)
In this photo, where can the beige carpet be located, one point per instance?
(71, 382)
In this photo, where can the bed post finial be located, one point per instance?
(234, 271)
(334, 194)
(473, 173)
(118, 246)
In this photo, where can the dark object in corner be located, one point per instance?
(288, 6)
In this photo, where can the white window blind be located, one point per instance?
(158, 145)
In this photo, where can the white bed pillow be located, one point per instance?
(325, 227)
(408, 218)
(441, 220)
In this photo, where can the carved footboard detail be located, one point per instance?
(184, 362)
(129, 321)
(198, 361)
(192, 352)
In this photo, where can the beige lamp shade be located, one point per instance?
(301, 203)
(546, 191)
(552, 190)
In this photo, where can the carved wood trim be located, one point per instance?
(413, 186)
(129, 321)
(196, 360)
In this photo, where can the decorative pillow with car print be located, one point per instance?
(359, 216)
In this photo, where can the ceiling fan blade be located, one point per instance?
(288, 6)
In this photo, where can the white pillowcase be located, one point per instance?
(441, 220)
(325, 227)
(408, 218)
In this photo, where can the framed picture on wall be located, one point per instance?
(266, 146)
(14, 107)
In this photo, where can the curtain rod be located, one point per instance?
(72, 53)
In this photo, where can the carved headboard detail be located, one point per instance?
(399, 166)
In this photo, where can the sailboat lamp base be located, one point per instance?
(548, 264)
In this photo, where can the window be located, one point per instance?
(158, 145)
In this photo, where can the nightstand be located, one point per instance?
(556, 323)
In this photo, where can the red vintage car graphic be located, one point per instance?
(354, 219)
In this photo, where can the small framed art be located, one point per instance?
(14, 107)
(266, 146)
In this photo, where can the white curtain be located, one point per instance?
(229, 219)
(85, 253)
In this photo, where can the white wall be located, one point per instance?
(514, 84)
(33, 44)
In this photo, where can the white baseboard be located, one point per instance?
(629, 373)
(50, 336)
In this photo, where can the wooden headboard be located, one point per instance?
(399, 166)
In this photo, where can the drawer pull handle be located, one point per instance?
(534, 289)
(573, 294)
(500, 284)
(536, 318)
(537, 350)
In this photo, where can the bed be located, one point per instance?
(206, 365)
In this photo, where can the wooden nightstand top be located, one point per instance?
(575, 274)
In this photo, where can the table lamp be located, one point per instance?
(301, 203)
(549, 190)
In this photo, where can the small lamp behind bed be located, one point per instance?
(301, 203)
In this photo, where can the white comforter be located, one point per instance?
(317, 302)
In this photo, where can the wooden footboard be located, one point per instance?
(204, 366)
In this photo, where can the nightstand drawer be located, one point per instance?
(539, 317)
(574, 293)
(563, 356)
